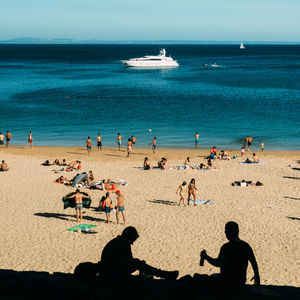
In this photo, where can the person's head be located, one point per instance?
(130, 234)
(89, 137)
(132, 136)
(214, 147)
(197, 132)
(30, 132)
(0, 132)
(107, 195)
(77, 190)
(146, 158)
(154, 138)
(118, 192)
(98, 134)
(79, 161)
(184, 183)
(201, 165)
(232, 230)
(118, 133)
(64, 160)
(91, 172)
(222, 151)
(188, 158)
(129, 140)
(3, 161)
(192, 180)
(254, 154)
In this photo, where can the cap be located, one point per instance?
(117, 192)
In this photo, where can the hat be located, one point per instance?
(117, 192)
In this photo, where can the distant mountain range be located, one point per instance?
(30, 40)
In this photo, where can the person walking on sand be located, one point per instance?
(89, 145)
(262, 145)
(191, 191)
(120, 206)
(182, 190)
(78, 203)
(133, 139)
(129, 148)
(196, 139)
(99, 142)
(108, 204)
(153, 143)
(119, 141)
(30, 140)
(8, 137)
(233, 259)
(1, 140)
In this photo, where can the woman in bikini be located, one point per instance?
(182, 190)
(30, 140)
(147, 165)
(191, 191)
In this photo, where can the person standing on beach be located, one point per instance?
(99, 142)
(129, 148)
(182, 190)
(89, 145)
(133, 139)
(262, 146)
(153, 143)
(249, 140)
(120, 206)
(8, 137)
(233, 259)
(196, 139)
(119, 141)
(30, 140)
(1, 140)
(108, 203)
(191, 191)
(78, 203)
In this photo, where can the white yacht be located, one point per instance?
(242, 46)
(158, 61)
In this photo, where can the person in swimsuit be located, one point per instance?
(210, 165)
(119, 141)
(89, 144)
(182, 190)
(187, 163)
(249, 140)
(147, 165)
(133, 139)
(129, 148)
(153, 143)
(191, 191)
(1, 140)
(120, 206)
(78, 203)
(262, 146)
(108, 204)
(8, 137)
(30, 140)
(196, 139)
(4, 166)
(91, 178)
(99, 142)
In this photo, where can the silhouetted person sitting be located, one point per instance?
(117, 262)
(233, 259)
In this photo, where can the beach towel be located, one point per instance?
(81, 227)
(201, 201)
(71, 202)
(259, 163)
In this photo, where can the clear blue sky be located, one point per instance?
(218, 20)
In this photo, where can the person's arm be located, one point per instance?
(73, 196)
(178, 189)
(83, 196)
(213, 261)
(254, 265)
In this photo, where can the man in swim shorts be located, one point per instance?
(119, 141)
(133, 140)
(1, 140)
(8, 137)
(99, 142)
(3, 166)
(89, 144)
(78, 203)
(249, 140)
(153, 143)
(196, 139)
(120, 206)
(117, 262)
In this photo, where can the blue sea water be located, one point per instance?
(64, 93)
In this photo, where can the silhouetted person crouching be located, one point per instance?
(118, 263)
(233, 259)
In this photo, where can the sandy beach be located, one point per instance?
(34, 224)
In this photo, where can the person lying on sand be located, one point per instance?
(4, 166)
(56, 162)
(247, 183)
(63, 180)
(224, 155)
(202, 166)
(108, 186)
(147, 165)
(47, 163)
(63, 163)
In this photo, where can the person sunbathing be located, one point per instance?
(91, 178)
(163, 164)
(108, 186)
(46, 163)
(224, 155)
(187, 163)
(56, 162)
(255, 158)
(63, 163)
(202, 166)
(63, 180)
(4, 166)
(147, 165)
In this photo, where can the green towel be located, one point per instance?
(81, 227)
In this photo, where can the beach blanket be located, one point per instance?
(201, 201)
(259, 163)
(81, 227)
(71, 202)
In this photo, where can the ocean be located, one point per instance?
(65, 93)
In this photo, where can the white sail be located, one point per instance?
(242, 46)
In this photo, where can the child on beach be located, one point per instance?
(182, 190)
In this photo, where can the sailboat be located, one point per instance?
(242, 46)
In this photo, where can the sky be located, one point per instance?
(111, 20)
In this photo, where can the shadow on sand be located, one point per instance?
(166, 202)
(35, 285)
(291, 177)
(294, 218)
(66, 217)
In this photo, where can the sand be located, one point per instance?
(33, 231)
